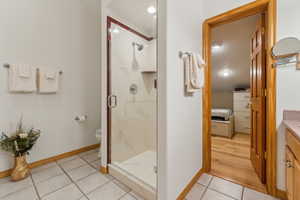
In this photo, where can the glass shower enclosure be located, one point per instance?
(132, 104)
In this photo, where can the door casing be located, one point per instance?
(256, 7)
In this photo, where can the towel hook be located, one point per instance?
(182, 54)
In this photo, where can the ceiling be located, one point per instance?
(231, 62)
(135, 12)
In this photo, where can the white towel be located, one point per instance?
(48, 81)
(22, 78)
(194, 73)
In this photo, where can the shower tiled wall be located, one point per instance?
(134, 119)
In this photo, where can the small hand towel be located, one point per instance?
(48, 81)
(194, 73)
(22, 78)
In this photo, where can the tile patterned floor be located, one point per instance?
(213, 188)
(73, 178)
(77, 178)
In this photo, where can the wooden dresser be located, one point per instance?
(242, 113)
(293, 165)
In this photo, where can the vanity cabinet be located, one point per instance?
(292, 166)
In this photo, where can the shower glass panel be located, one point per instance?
(133, 104)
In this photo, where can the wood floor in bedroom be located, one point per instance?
(231, 161)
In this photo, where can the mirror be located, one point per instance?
(286, 47)
(287, 51)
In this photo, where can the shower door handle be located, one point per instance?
(112, 101)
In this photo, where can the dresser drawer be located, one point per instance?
(293, 143)
(243, 124)
(241, 96)
(241, 106)
(242, 116)
(242, 130)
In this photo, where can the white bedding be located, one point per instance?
(221, 113)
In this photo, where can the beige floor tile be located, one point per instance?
(43, 167)
(128, 197)
(136, 196)
(53, 184)
(24, 194)
(9, 187)
(96, 164)
(46, 173)
(205, 179)
(88, 152)
(109, 191)
(254, 195)
(121, 185)
(213, 195)
(81, 172)
(73, 164)
(226, 187)
(69, 192)
(196, 192)
(91, 157)
(92, 182)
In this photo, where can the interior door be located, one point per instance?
(258, 100)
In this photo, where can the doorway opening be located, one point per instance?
(239, 99)
(236, 74)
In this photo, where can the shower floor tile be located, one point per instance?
(142, 167)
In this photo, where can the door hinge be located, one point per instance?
(265, 92)
(265, 155)
(263, 30)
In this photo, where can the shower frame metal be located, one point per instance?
(111, 21)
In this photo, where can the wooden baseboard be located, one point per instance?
(104, 170)
(188, 188)
(53, 159)
(281, 194)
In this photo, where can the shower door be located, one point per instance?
(132, 103)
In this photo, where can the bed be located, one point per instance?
(222, 123)
(221, 114)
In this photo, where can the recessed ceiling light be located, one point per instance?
(225, 73)
(151, 10)
(216, 47)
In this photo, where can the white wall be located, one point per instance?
(63, 34)
(222, 99)
(287, 78)
(180, 117)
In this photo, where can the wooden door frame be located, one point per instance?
(256, 7)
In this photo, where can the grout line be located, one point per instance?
(11, 193)
(99, 187)
(75, 184)
(49, 178)
(124, 195)
(57, 190)
(65, 171)
(222, 192)
(227, 195)
(243, 193)
(35, 188)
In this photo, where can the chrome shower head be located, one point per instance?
(140, 47)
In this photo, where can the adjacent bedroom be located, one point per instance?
(231, 102)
